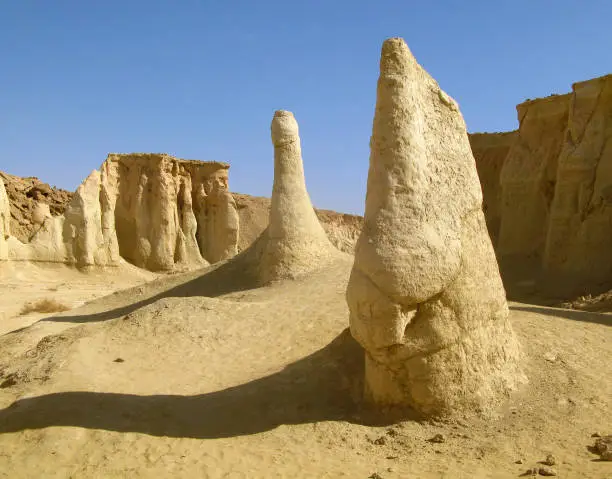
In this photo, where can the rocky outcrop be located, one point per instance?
(342, 229)
(75, 237)
(578, 242)
(170, 211)
(156, 211)
(490, 151)
(528, 178)
(294, 242)
(24, 195)
(5, 227)
(425, 296)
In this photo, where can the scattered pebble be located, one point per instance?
(547, 471)
(519, 461)
(550, 357)
(595, 434)
(392, 432)
(438, 438)
(375, 475)
(550, 460)
(533, 471)
(119, 360)
(603, 444)
(392, 457)
(381, 441)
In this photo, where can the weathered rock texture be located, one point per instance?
(490, 151)
(295, 242)
(170, 211)
(578, 246)
(156, 211)
(24, 195)
(342, 229)
(425, 296)
(528, 178)
(5, 227)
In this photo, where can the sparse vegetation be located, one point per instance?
(44, 305)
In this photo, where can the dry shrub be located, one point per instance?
(44, 305)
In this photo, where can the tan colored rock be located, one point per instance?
(5, 218)
(528, 179)
(40, 212)
(172, 212)
(295, 241)
(490, 151)
(425, 296)
(578, 242)
(83, 235)
(76, 237)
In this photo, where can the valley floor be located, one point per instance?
(174, 378)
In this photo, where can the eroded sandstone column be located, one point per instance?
(425, 296)
(296, 242)
(5, 219)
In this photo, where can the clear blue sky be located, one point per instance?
(201, 79)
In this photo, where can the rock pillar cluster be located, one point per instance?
(154, 210)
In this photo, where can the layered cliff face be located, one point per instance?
(528, 177)
(578, 242)
(156, 211)
(170, 211)
(490, 151)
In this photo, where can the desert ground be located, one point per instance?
(195, 375)
(314, 344)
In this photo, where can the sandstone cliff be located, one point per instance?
(490, 151)
(528, 178)
(5, 228)
(578, 242)
(156, 211)
(170, 211)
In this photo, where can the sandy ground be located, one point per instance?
(22, 282)
(197, 376)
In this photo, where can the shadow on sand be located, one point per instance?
(236, 274)
(575, 315)
(323, 386)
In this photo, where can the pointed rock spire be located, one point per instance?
(425, 296)
(295, 240)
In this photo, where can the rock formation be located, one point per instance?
(425, 296)
(490, 151)
(24, 195)
(528, 178)
(5, 216)
(578, 242)
(153, 209)
(295, 241)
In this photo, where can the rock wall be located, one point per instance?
(5, 227)
(578, 244)
(490, 151)
(528, 178)
(170, 211)
(156, 211)
(24, 195)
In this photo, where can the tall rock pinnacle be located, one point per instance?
(295, 240)
(425, 296)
